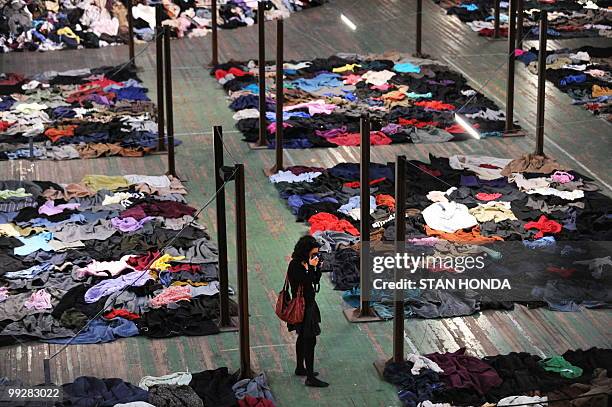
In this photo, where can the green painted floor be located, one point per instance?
(345, 351)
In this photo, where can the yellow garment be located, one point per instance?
(189, 282)
(598, 91)
(8, 229)
(346, 68)
(67, 32)
(493, 211)
(163, 263)
(97, 182)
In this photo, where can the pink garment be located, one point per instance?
(272, 127)
(384, 87)
(105, 268)
(315, 107)
(483, 196)
(352, 79)
(3, 293)
(562, 177)
(171, 294)
(49, 208)
(39, 300)
(518, 52)
(424, 241)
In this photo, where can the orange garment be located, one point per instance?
(94, 150)
(435, 105)
(461, 236)
(385, 200)
(598, 91)
(394, 95)
(56, 133)
(326, 221)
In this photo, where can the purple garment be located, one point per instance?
(107, 287)
(129, 224)
(99, 99)
(331, 133)
(39, 300)
(391, 128)
(296, 201)
(49, 208)
(444, 82)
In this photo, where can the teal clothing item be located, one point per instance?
(559, 365)
(17, 193)
(34, 243)
(407, 67)
(414, 95)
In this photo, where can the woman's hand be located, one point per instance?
(314, 261)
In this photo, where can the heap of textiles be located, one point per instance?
(576, 378)
(566, 18)
(410, 100)
(208, 388)
(122, 251)
(585, 74)
(81, 113)
(541, 226)
(71, 24)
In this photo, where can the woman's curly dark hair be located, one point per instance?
(303, 247)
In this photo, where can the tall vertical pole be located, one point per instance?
(47, 370)
(519, 23)
(541, 83)
(280, 97)
(496, 17)
(225, 320)
(261, 18)
(364, 221)
(215, 43)
(169, 110)
(419, 27)
(130, 18)
(159, 65)
(243, 284)
(511, 58)
(400, 238)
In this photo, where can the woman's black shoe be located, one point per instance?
(314, 382)
(303, 372)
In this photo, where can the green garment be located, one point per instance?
(18, 193)
(98, 182)
(559, 365)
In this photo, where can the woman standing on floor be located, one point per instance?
(303, 271)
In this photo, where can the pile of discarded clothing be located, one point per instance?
(109, 257)
(81, 113)
(566, 19)
(585, 74)
(53, 25)
(208, 388)
(576, 378)
(541, 226)
(409, 100)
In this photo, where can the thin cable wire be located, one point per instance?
(132, 60)
(146, 269)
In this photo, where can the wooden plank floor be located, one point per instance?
(345, 352)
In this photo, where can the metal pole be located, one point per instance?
(511, 59)
(419, 26)
(130, 18)
(364, 221)
(280, 97)
(169, 110)
(400, 237)
(262, 141)
(541, 83)
(519, 24)
(496, 17)
(47, 370)
(225, 320)
(159, 64)
(243, 289)
(215, 44)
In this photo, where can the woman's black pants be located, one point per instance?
(304, 352)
